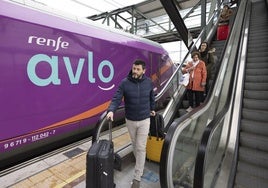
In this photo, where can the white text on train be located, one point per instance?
(74, 75)
(56, 44)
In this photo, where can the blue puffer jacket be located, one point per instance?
(138, 97)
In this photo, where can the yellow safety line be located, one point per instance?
(71, 179)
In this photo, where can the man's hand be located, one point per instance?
(152, 113)
(110, 116)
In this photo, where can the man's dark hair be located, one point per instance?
(140, 62)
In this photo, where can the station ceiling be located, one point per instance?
(154, 8)
(139, 15)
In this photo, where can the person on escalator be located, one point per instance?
(139, 98)
(225, 14)
(197, 80)
(207, 55)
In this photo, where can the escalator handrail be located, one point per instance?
(214, 124)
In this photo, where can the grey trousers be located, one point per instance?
(138, 131)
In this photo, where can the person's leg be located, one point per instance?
(191, 99)
(198, 97)
(132, 130)
(141, 141)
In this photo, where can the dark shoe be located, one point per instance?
(135, 184)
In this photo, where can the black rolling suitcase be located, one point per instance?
(100, 160)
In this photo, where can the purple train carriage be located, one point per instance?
(59, 74)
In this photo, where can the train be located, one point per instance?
(58, 74)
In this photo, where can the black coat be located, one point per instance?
(138, 97)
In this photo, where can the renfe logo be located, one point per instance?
(40, 41)
(74, 76)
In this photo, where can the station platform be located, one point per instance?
(66, 167)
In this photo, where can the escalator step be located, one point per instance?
(261, 40)
(257, 46)
(254, 127)
(255, 115)
(257, 71)
(257, 55)
(256, 86)
(257, 65)
(259, 33)
(252, 94)
(252, 170)
(253, 59)
(253, 157)
(259, 78)
(254, 141)
(258, 27)
(255, 104)
(245, 181)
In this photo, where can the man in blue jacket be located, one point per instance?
(137, 91)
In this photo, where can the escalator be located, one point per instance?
(233, 149)
(184, 137)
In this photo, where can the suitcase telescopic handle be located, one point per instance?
(110, 129)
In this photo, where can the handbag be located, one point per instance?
(154, 148)
(156, 125)
(184, 79)
(155, 139)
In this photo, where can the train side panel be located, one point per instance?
(58, 75)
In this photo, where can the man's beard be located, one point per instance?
(135, 76)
